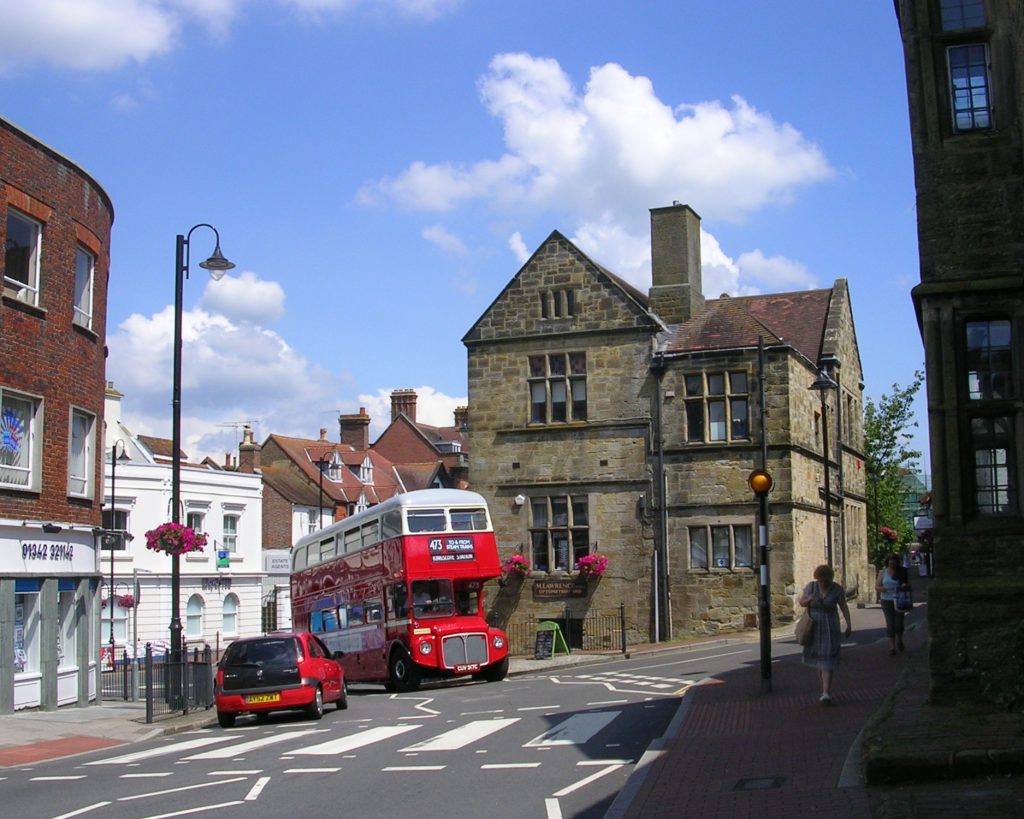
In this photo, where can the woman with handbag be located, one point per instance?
(824, 599)
(888, 584)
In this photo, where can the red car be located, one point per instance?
(278, 672)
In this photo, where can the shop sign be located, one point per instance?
(558, 589)
(42, 555)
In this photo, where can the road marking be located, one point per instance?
(257, 789)
(400, 768)
(482, 713)
(500, 766)
(311, 770)
(350, 743)
(55, 778)
(552, 808)
(701, 659)
(161, 750)
(461, 737)
(606, 702)
(253, 772)
(216, 784)
(540, 708)
(586, 780)
(80, 811)
(146, 775)
(574, 731)
(201, 809)
(595, 762)
(253, 744)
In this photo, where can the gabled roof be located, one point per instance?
(291, 485)
(796, 319)
(421, 476)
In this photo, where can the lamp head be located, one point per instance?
(217, 264)
(760, 482)
(823, 381)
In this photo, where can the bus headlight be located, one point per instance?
(498, 642)
(425, 648)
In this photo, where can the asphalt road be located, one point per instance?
(559, 744)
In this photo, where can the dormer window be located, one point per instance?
(366, 471)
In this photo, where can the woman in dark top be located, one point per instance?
(824, 599)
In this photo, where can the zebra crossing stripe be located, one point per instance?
(462, 736)
(574, 731)
(162, 750)
(350, 743)
(251, 745)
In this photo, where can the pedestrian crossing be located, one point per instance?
(644, 683)
(577, 729)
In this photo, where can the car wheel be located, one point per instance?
(225, 720)
(342, 703)
(405, 676)
(315, 709)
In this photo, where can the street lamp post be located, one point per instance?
(822, 384)
(218, 266)
(321, 462)
(112, 539)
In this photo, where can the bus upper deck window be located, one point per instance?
(425, 520)
(469, 520)
(391, 524)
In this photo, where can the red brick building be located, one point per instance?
(56, 234)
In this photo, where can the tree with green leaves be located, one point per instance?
(888, 431)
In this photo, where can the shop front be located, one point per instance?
(49, 616)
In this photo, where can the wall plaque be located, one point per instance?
(559, 588)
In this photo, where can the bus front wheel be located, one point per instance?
(496, 672)
(404, 675)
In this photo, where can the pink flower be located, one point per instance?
(175, 539)
(516, 566)
(592, 565)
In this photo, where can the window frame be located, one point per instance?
(561, 534)
(712, 532)
(229, 538)
(706, 406)
(232, 600)
(979, 116)
(27, 291)
(193, 618)
(82, 314)
(87, 480)
(31, 435)
(554, 395)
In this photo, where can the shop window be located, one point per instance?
(19, 460)
(67, 632)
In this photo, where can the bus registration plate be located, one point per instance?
(252, 699)
(465, 667)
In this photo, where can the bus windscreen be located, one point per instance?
(425, 520)
(469, 520)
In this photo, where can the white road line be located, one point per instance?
(587, 780)
(606, 702)
(700, 659)
(350, 743)
(254, 772)
(481, 713)
(55, 778)
(400, 768)
(552, 808)
(257, 789)
(574, 731)
(253, 744)
(496, 766)
(146, 775)
(201, 809)
(162, 750)
(216, 784)
(596, 762)
(80, 811)
(462, 736)
(311, 770)
(540, 708)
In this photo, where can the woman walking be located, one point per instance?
(888, 583)
(824, 599)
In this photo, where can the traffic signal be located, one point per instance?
(760, 482)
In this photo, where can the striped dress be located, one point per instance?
(823, 652)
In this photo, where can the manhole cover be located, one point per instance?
(759, 783)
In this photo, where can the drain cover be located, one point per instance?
(759, 783)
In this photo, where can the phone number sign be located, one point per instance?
(451, 549)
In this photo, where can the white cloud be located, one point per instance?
(230, 372)
(433, 408)
(245, 297)
(518, 247)
(776, 273)
(445, 241)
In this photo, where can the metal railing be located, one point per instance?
(594, 632)
(166, 688)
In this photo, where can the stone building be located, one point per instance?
(608, 421)
(965, 85)
(55, 228)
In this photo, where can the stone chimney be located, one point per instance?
(462, 418)
(355, 430)
(403, 401)
(248, 452)
(675, 293)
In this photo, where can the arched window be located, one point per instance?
(194, 617)
(229, 617)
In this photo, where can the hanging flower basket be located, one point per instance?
(592, 565)
(125, 601)
(175, 539)
(516, 566)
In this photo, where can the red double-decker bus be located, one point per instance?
(398, 589)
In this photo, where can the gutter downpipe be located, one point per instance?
(662, 598)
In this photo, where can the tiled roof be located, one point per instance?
(160, 447)
(418, 476)
(292, 486)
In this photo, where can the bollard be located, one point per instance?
(622, 625)
(149, 683)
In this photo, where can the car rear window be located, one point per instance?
(278, 651)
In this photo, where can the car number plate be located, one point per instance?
(252, 699)
(467, 667)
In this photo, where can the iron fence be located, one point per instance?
(594, 632)
(167, 688)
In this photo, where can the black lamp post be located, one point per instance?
(822, 384)
(321, 462)
(218, 266)
(113, 538)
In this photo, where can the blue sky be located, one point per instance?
(379, 170)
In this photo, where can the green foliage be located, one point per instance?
(888, 459)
